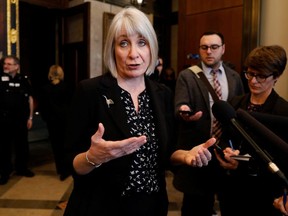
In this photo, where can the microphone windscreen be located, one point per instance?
(268, 136)
(223, 111)
(276, 123)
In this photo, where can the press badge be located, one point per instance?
(4, 78)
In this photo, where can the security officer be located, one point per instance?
(16, 115)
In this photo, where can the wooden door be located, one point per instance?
(74, 47)
(238, 20)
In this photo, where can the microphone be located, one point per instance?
(225, 113)
(267, 135)
(276, 123)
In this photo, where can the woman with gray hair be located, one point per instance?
(121, 130)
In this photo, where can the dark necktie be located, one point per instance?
(216, 126)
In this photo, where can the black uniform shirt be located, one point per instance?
(14, 96)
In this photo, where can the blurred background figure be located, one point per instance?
(16, 116)
(169, 78)
(54, 104)
(157, 74)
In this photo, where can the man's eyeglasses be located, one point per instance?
(259, 77)
(9, 64)
(213, 47)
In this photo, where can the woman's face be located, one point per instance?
(260, 88)
(132, 54)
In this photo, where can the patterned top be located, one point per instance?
(143, 175)
(254, 107)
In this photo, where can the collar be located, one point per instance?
(207, 70)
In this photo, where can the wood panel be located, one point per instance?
(48, 3)
(200, 6)
(238, 20)
(227, 21)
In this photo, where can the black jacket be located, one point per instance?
(98, 192)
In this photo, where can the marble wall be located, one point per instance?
(273, 30)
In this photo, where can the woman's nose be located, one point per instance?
(134, 52)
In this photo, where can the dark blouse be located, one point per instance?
(143, 171)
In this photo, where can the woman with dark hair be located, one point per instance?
(250, 187)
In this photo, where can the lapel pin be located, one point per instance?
(108, 101)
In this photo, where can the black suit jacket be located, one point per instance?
(192, 91)
(98, 192)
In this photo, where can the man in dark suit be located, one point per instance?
(200, 185)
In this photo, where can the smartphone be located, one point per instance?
(241, 157)
(188, 113)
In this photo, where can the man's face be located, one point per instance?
(211, 50)
(10, 66)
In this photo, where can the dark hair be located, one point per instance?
(15, 59)
(267, 59)
(214, 33)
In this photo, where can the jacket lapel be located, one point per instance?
(112, 102)
(158, 106)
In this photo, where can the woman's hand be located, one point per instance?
(198, 156)
(278, 204)
(101, 151)
(227, 162)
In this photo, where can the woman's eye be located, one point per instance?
(123, 43)
(142, 42)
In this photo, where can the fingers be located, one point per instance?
(105, 150)
(204, 159)
(227, 163)
(198, 158)
(99, 133)
(278, 203)
(194, 117)
(209, 143)
(130, 145)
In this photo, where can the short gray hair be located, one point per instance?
(134, 21)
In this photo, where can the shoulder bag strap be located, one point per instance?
(199, 73)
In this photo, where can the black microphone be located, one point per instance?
(225, 113)
(259, 128)
(267, 135)
(276, 123)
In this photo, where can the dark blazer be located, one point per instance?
(98, 192)
(253, 180)
(275, 106)
(192, 91)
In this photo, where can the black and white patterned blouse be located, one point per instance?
(143, 175)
